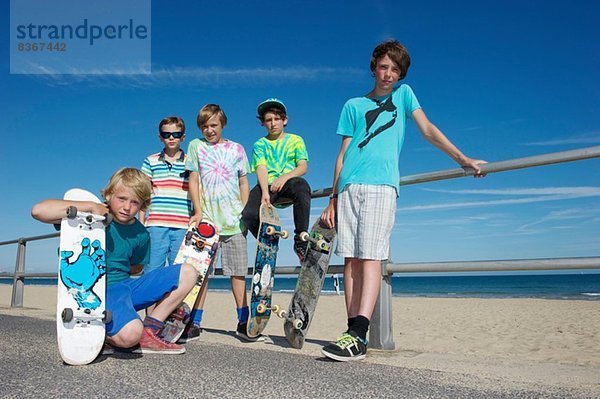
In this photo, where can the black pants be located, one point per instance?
(295, 189)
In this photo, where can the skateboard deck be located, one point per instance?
(263, 276)
(80, 310)
(310, 282)
(197, 249)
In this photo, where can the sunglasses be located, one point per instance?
(167, 135)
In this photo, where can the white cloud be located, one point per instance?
(201, 76)
(582, 190)
(584, 214)
(585, 138)
(534, 195)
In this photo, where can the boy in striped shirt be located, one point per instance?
(169, 212)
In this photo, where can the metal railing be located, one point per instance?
(381, 332)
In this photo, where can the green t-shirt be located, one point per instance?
(279, 156)
(126, 245)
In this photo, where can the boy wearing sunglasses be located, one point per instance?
(169, 212)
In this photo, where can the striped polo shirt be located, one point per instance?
(170, 205)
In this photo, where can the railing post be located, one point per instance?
(18, 279)
(381, 331)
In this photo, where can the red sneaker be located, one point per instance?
(151, 343)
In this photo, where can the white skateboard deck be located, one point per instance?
(80, 312)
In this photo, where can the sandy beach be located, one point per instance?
(516, 341)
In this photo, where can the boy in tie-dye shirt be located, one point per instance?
(279, 160)
(219, 190)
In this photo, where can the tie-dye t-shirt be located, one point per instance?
(279, 156)
(220, 166)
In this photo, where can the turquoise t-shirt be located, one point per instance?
(279, 156)
(126, 245)
(377, 129)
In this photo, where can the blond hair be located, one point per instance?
(207, 112)
(133, 179)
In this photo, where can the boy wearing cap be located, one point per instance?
(279, 160)
(366, 184)
(170, 207)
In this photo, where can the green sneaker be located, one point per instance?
(347, 347)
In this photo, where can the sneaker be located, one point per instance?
(107, 349)
(300, 249)
(191, 333)
(242, 332)
(347, 347)
(151, 343)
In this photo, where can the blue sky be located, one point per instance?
(502, 79)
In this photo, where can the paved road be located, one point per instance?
(30, 366)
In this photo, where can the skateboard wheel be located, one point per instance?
(322, 244)
(108, 218)
(297, 324)
(67, 315)
(270, 230)
(107, 316)
(284, 234)
(281, 314)
(71, 212)
(261, 308)
(304, 236)
(275, 308)
(189, 235)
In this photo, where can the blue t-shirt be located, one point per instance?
(126, 245)
(377, 129)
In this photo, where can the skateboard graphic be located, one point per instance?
(310, 282)
(197, 249)
(263, 277)
(80, 307)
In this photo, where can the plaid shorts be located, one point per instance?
(233, 253)
(365, 218)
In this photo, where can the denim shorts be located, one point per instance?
(164, 244)
(126, 297)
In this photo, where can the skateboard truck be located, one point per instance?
(283, 314)
(67, 315)
(88, 218)
(271, 231)
(321, 244)
(262, 308)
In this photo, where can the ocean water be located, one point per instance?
(555, 286)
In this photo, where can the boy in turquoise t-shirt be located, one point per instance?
(279, 160)
(366, 185)
(128, 248)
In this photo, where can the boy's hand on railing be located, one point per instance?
(474, 164)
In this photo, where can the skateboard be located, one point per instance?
(263, 277)
(310, 282)
(80, 310)
(197, 249)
